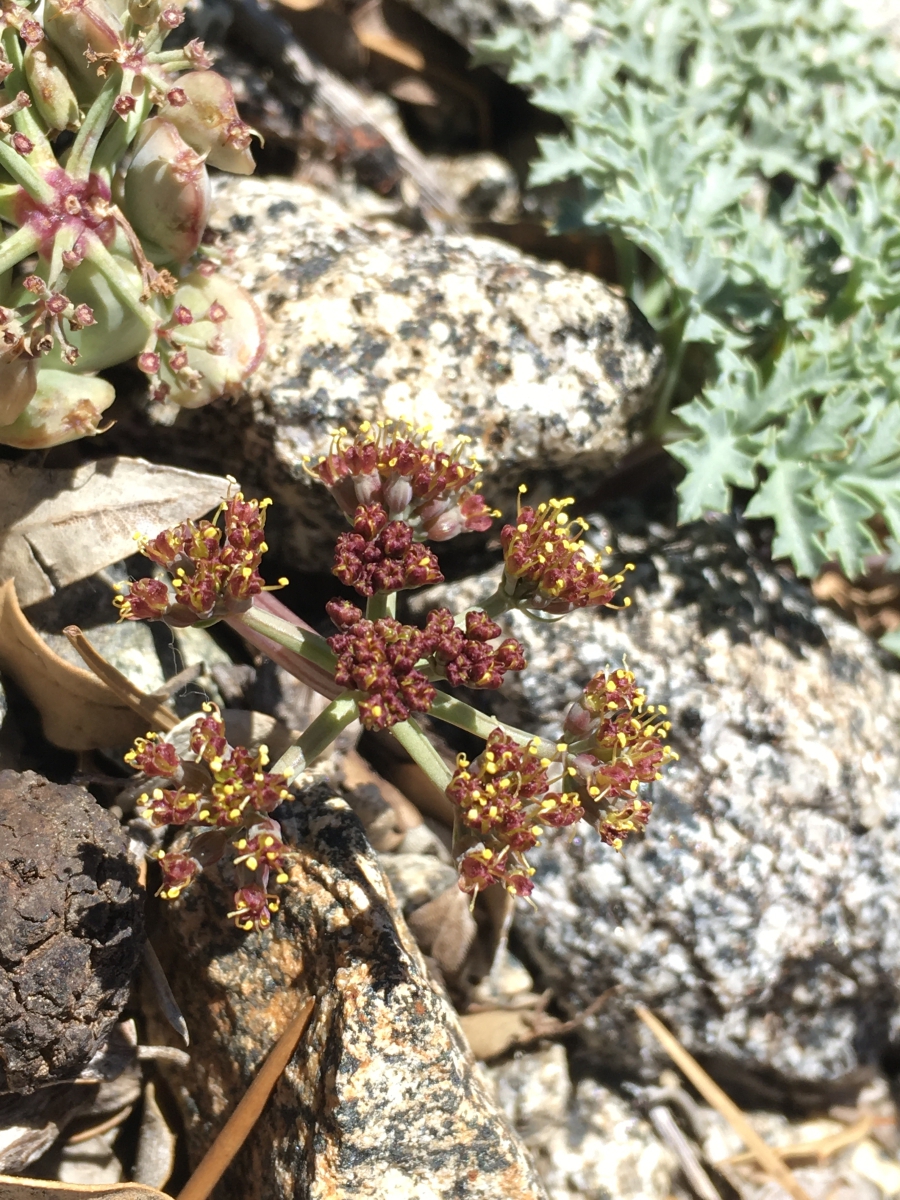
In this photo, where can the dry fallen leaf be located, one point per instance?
(495, 1031)
(414, 90)
(78, 712)
(60, 526)
(375, 34)
(12, 1188)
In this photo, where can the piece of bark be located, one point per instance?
(71, 929)
(382, 1099)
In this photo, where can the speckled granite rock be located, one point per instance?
(381, 1100)
(546, 369)
(588, 1142)
(760, 915)
(71, 929)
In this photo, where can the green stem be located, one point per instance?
(501, 601)
(319, 735)
(81, 156)
(120, 283)
(674, 345)
(626, 262)
(305, 642)
(25, 175)
(464, 716)
(119, 137)
(382, 604)
(25, 121)
(9, 194)
(22, 243)
(412, 738)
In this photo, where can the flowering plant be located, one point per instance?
(398, 490)
(105, 139)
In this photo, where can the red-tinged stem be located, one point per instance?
(310, 673)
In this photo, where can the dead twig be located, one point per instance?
(245, 1116)
(767, 1158)
(664, 1123)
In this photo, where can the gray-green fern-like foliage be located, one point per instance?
(743, 160)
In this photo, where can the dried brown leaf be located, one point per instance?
(414, 90)
(60, 526)
(78, 712)
(156, 1144)
(492, 1033)
(13, 1188)
(445, 929)
(375, 34)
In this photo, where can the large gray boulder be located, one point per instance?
(547, 370)
(760, 914)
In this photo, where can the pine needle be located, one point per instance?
(767, 1158)
(238, 1126)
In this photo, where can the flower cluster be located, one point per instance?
(387, 660)
(470, 659)
(92, 105)
(545, 564)
(214, 568)
(228, 795)
(506, 798)
(617, 741)
(380, 555)
(379, 658)
(413, 480)
(398, 489)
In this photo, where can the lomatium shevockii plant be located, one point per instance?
(399, 491)
(105, 139)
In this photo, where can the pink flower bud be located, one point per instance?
(21, 144)
(31, 32)
(171, 18)
(34, 284)
(216, 314)
(195, 53)
(148, 362)
(182, 315)
(57, 303)
(84, 314)
(176, 98)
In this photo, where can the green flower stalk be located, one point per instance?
(100, 254)
(399, 490)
